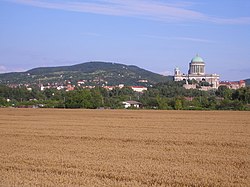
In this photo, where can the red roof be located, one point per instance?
(242, 81)
(231, 82)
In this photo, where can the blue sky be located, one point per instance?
(157, 35)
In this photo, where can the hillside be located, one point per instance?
(94, 73)
(247, 82)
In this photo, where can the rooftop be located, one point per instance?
(197, 58)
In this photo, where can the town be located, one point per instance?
(196, 78)
(195, 90)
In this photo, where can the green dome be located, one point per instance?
(197, 59)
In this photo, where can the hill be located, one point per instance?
(247, 82)
(93, 73)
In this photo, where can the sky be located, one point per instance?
(157, 35)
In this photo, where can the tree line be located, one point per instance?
(165, 96)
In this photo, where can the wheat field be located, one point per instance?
(53, 147)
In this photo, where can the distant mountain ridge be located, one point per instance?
(94, 73)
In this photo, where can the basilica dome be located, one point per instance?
(197, 58)
(197, 66)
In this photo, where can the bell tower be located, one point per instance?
(177, 72)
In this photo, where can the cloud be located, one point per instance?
(166, 73)
(194, 39)
(3, 69)
(17, 70)
(179, 38)
(146, 9)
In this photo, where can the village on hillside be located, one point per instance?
(196, 78)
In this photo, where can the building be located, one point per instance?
(139, 88)
(197, 73)
(132, 104)
(109, 87)
(70, 87)
(143, 80)
(81, 82)
(233, 84)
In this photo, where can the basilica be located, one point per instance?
(196, 73)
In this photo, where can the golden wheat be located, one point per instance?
(45, 147)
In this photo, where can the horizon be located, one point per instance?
(154, 35)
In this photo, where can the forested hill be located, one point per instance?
(92, 72)
(247, 82)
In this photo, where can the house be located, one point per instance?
(139, 88)
(80, 82)
(70, 87)
(233, 84)
(132, 104)
(143, 80)
(109, 87)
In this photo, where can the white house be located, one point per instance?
(133, 104)
(139, 88)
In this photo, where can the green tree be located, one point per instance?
(242, 94)
(178, 104)
(3, 102)
(162, 102)
(224, 92)
(96, 98)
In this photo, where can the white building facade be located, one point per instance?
(134, 104)
(197, 72)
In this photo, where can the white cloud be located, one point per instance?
(194, 39)
(3, 69)
(147, 9)
(166, 73)
(201, 40)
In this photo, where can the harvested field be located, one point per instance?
(51, 147)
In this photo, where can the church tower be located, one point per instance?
(177, 72)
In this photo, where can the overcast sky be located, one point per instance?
(157, 35)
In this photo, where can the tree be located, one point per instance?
(224, 92)
(162, 102)
(178, 104)
(3, 102)
(242, 94)
(96, 98)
